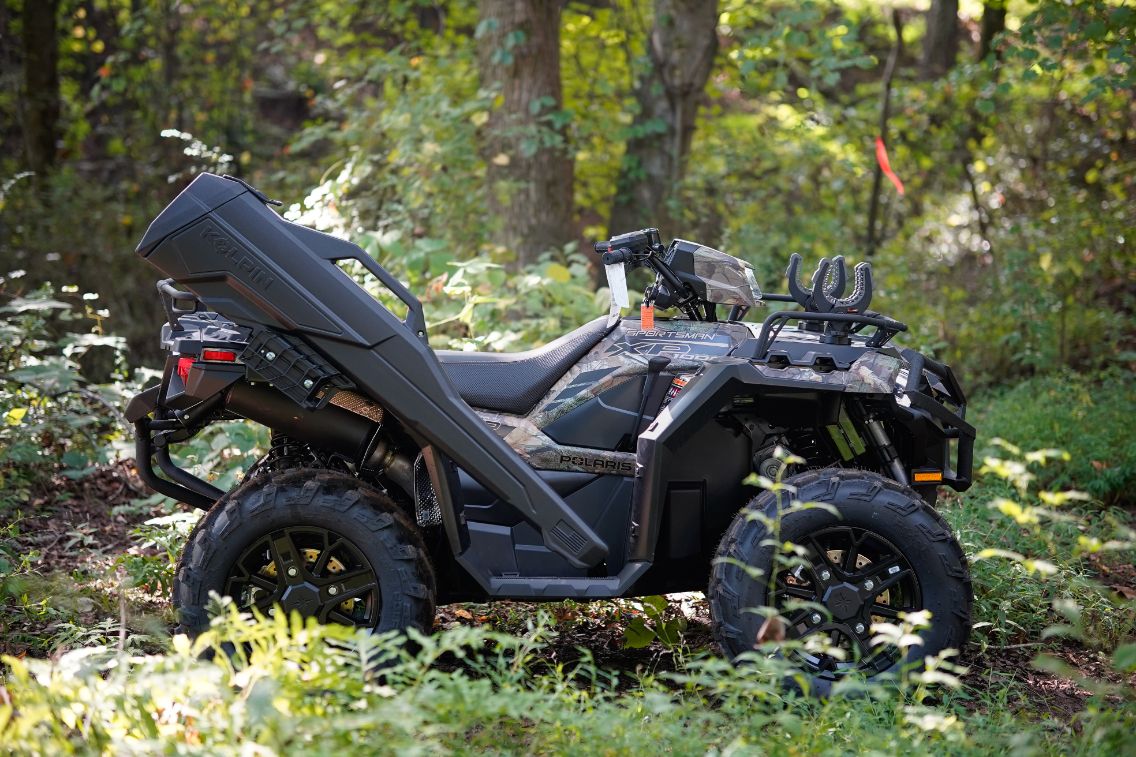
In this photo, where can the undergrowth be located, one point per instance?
(1084, 415)
(278, 685)
(285, 685)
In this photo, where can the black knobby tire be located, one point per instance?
(928, 564)
(365, 522)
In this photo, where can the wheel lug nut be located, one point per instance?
(815, 618)
(332, 590)
(859, 628)
(292, 571)
(825, 575)
(869, 585)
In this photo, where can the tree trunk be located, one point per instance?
(681, 49)
(41, 84)
(993, 23)
(941, 43)
(529, 166)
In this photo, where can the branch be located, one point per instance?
(885, 114)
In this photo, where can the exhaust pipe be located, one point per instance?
(329, 428)
(332, 428)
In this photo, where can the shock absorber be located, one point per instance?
(886, 449)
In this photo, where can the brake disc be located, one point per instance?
(311, 556)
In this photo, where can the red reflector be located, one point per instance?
(184, 364)
(220, 356)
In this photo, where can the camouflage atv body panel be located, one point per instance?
(604, 389)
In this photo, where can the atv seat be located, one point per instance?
(513, 382)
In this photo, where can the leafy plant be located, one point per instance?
(1022, 602)
(159, 542)
(650, 623)
(50, 414)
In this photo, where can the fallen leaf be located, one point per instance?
(771, 630)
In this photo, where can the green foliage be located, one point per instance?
(477, 304)
(1036, 548)
(650, 623)
(15, 566)
(1008, 252)
(282, 683)
(406, 156)
(49, 413)
(159, 542)
(1081, 414)
(224, 452)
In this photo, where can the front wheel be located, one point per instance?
(320, 543)
(876, 550)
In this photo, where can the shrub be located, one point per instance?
(1085, 415)
(51, 416)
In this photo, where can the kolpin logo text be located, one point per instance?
(240, 259)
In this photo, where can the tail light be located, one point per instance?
(185, 363)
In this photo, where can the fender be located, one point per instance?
(874, 373)
(702, 398)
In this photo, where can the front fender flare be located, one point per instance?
(701, 399)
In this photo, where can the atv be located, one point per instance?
(610, 462)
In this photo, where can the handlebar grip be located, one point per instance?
(622, 255)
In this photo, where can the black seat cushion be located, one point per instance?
(513, 382)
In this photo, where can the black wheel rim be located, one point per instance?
(857, 578)
(310, 569)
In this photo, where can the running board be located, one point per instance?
(219, 241)
(510, 587)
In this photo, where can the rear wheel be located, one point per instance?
(320, 543)
(881, 553)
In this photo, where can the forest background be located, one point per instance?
(476, 148)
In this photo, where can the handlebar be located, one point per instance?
(639, 244)
(645, 247)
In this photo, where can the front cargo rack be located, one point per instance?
(758, 349)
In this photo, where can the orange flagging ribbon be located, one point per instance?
(882, 159)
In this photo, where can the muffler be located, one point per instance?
(333, 428)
